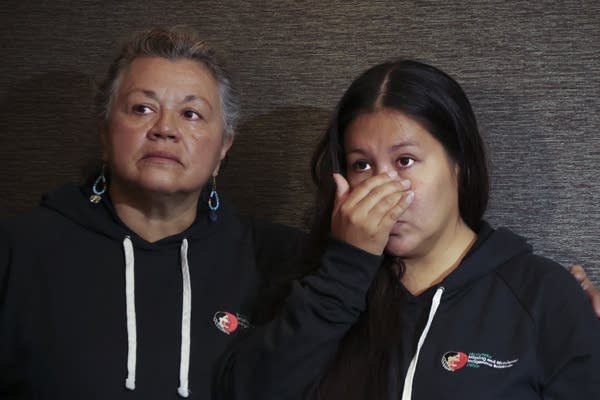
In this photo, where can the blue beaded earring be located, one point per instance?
(213, 200)
(99, 187)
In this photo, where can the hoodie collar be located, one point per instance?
(72, 202)
(493, 248)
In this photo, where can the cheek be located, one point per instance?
(205, 152)
(354, 181)
(205, 144)
(117, 133)
(433, 198)
(119, 142)
(428, 195)
(121, 126)
(121, 146)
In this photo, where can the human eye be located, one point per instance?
(361, 165)
(192, 115)
(405, 162)
(141, 109)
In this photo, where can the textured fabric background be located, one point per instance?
(531, 70)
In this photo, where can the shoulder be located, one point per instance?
(565, 327)
(28, 224)
(544, 287)
(43, 231)
(278, 257)
(276, 244)
(46, 216)
(20, 237)
(270, 234)
(266, 235)
(523, 270)
(276, 247)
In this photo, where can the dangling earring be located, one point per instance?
(213, 200)
(99, 187)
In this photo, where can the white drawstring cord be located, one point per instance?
(410, 374)
(131, 324)
(184, 366)
(186, 317)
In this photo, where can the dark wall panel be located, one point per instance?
(530, 69)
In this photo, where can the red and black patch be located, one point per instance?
(454, 360)
(226, 322)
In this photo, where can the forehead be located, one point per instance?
(185, 77)
(385, 127)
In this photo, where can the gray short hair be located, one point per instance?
(173, 44)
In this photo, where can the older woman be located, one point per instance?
(132, 285)
(454, 308)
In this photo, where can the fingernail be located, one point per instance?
(392, 173)
(405, 184)
(410, 196)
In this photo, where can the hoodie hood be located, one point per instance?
(493, 248)
(72, 202)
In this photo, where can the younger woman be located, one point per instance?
(454, 308)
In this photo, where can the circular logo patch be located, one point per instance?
(226, 322)
(454, 360)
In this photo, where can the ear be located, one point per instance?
(225, 146)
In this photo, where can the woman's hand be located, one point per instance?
(592, 292)
(365, 215)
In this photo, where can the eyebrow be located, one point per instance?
(187, 99)
(406, 143)
(397, 146)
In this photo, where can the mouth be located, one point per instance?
(397, 228)
(161, 156)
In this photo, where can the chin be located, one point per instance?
(399, 246)
(159, 186)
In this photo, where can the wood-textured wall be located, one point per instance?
(531, 69)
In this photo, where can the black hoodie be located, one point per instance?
(64, 313)
(506, 324)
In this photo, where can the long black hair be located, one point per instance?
(365, 365)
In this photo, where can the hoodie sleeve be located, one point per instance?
(283, 358)
(569, 340)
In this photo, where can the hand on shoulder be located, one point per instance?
(590, 290)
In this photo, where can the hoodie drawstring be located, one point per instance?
(186, 318)
(130, 302)
(410, 374)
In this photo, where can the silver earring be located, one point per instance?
(99, 187)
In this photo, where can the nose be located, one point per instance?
(165, 127)
(384, 167)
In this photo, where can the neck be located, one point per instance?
(423, 272)
(153, 217)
